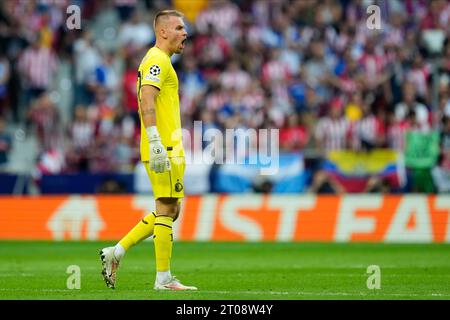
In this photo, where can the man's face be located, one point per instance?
(176, 34)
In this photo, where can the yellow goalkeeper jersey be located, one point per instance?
(156, 69)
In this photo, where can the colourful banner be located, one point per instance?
(354, 168)
(350, 218)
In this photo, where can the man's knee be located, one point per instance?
(178, 212)
(167, 207)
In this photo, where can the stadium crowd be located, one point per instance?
(311, 68)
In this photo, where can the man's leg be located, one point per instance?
(141, 231)
(111, 256)
(168, 210)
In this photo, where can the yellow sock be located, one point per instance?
(141, 231)
(163, 242)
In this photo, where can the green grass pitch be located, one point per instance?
(250, 271)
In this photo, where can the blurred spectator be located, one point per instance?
(297, 92)
(86, 60)
(13, 44)
(275, 70)
(44, 116)
(124, 155)
(215, 98)
(82, 138)
(368, 132)
(5, 144)
(398, 68)
(135, 33)
(354, 107)
(445, 61)
(348, 74)
(421, 156)
(4, 79)
(396, 132)
(234, 77)
(125, 8)
(293, 136)
(102, 112)
(224, 15)
(418, 76)
(328, 12)
(441, 173)
(49, 162)
(253, 101)
(212, 51)
(37, 66)
(129, 88)
(443, 111)
(437, 15)
(332, 131)
(373, 62)
(127, 145)
(103, 155)
(410, 104)
(105, 75)
(232, 107)
(193, 86)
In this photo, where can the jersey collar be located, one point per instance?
(165, 53)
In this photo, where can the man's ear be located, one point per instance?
(163, 33)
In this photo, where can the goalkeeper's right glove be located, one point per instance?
(159, 160)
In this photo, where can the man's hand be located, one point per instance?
(159, 160)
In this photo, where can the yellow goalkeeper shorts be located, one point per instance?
(168, 184)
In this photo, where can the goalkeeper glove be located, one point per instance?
(159, 160)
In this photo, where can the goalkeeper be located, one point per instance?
(161, 152)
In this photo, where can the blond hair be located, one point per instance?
(166, 13)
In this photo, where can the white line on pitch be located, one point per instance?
(251, 292)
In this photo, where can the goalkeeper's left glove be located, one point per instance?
(159, 160)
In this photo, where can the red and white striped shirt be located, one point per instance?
(332, 133)
(396, 135)
(373, 64)
(223, 18)
(238, 79)
(38, 67)
(275, 70)
(419, 77)
(82, 134)
(368, 129)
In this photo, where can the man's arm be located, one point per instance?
(158, 154)
(148, 105)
